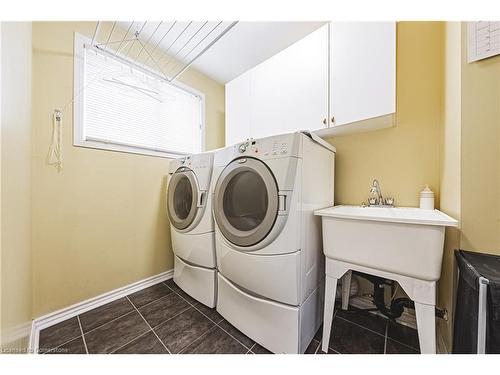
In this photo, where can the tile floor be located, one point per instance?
(163, 319)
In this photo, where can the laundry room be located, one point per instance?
(231, 184)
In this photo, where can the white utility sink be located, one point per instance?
(404, 240)
(401, 244)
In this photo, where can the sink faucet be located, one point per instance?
(379, 199)
(375, 189)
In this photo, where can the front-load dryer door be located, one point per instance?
(182, 198)
(246, 201)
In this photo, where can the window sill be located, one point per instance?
(126, 149)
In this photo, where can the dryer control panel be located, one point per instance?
(279, 146)
(273, 147)
(249, 147)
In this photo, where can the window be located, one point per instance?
(125, 108)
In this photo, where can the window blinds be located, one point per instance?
(125, 106)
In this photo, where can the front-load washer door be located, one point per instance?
(246, 201)
(182, 198)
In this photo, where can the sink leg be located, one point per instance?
(330, 291)
(426, 325)
(346, 289)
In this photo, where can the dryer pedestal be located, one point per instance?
(278, 327)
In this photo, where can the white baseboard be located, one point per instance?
(16, 338)
(79, 308)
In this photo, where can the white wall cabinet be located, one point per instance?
(362, 71)
(289, 91)
(340, 74)
(285, 93)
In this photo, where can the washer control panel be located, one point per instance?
(186, 161)
(196, 161)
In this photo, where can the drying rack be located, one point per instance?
(165, 49)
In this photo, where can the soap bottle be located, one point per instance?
(427, 198)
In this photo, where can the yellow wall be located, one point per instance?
(450, 169)
(404, 157)
(15, 280)
(480, 185)
(99, 224)
(470, 180)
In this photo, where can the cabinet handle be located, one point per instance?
(333, 119)
(324, 121)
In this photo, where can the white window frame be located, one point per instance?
(79, 139)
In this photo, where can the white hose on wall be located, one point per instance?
(54, 156)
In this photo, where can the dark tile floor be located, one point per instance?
(163, 319)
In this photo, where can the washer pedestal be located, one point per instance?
(198, 282)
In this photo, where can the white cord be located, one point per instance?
(54, 156)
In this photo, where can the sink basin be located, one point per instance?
(404, 240)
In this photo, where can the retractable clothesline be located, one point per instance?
(185, 43)
(149, 44)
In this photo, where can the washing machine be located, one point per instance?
(268, 241)
(192, 226)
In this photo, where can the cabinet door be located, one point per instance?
(238, 109)
(362, 70)
(289, 91)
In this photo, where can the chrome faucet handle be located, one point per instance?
(372, 201)
(389, 201)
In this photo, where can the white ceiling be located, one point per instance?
(248, 44)
(244, 46)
